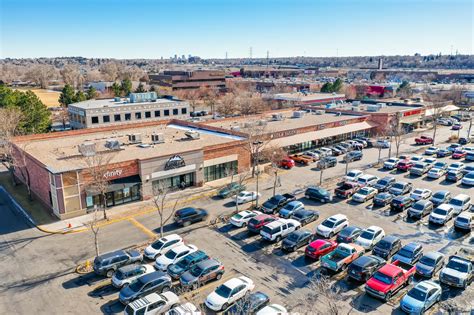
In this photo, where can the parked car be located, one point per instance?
(305, 216)
(384, 184)
(276, 202)
(328, 161)
(459, 270)
(319, 248)
(456, 127)
(364, 194)
(129, 273)
(369, 237)
(202, 273)
(256, 301)
(421, 193)
(348, 234)
(312, 154)
(410, 253)
(453, 146)
(460, 203)
(464, 221)
(336, 151)
(278, 229)
(401, 188)
(384, 144)
(404, 165)
(429, 264)
(389, 279)
(420, 209)
(286, 163)
(441, 214)
(431, 150)
(416, 159)
(469, 156)
(367, 180)
(459, 154)
(228, 293)
(468, 169)
(184, 264)
(468, 179)
(173, 255)
(272, 309)
(401, 203)
(442, 153)
(436, 173)
(183, 309)
(152, 304)
(318, 193)
(419, 169)
(387, 246)
(106, 264)
(391, 163)
(302, 159)
(383, 199)
(341, 257)
(353, 156)
(440, 197)
(441, 165)
(352, 176)
(231, 189)
(421, 297)
(364, 267)
(423, 140)
(296, 239)
(162, 245)
(290, 208)
(464, 140)
(332, 225)
(189, 215)
(247, 196)
(156, 281)
(255, 224)
(242, 218)
(347, 189)
(453, 176)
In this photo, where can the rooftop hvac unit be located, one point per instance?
(112, 144)
(261, 123)
(144, 145)
(235, 128)
(87, 148)
(143, 97)
(277, 117)
(355, 103)
(319, 112)
(298, 114)
(372, 108)
(135, 138)
(248, 124)
(157, 138)
(193, 135)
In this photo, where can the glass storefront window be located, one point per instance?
(117, 197)
(218, 171)
(174, 182)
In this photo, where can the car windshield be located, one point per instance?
(237, 216)
(328, 223)
(293, 237)
(382, 278)
(120, 275)
(367, 235)
(456, 202)
(136, 285)
(469, 176)
(398, 186)
(129, 310)
(171, 254)
(382, 182)
(432, 148)
(440, 211)
(243, 194)
(425, 260)
(439, 165)
(196, 271)
(183, 263)
(158, 244)
(405, 253)
(456, 265)
(346, 186)
(290, 207)
(417, 294)
(223, 291)
(418, 206)
(418, 192)
(462, 220)
(254, 221)
(383, 244)
(419, 165)
(364, 191)
(352, 174)
(439, 195)
(299, 215)
(392, 160)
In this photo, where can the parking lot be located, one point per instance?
(284, 277)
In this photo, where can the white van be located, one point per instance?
(460, 203)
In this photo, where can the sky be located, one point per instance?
(210, 28)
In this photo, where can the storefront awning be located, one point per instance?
(117, 184)
(321, 134)
(447, 108)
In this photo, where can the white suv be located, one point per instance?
(276, 230)
(353, 176)
(332, 225)
(162, 245)
(367, 180)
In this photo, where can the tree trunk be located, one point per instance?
(380, 153)
(96, 243)
(104, 205)
(275, 183)
(434, 131)
(161, 223)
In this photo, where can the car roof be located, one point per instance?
(350, 228)
(170, 237)
(128, 268)
(387, 178)
(146, 300)
(262, 216)
(301, 232)
(276, 223)
(426, 285)
(363, 261)
(444, 192)
(208, 263)
(390, 238)
(373, 228)
(423, 202)
(294, 202)
(180, 248)
(466, 214)
(433, 255)
(461, 196)
(445, 206)
(112, 254)
(412, 246)
(232, 283)
(401, 198)
(153, 276)
(337, 217)
(186, 210)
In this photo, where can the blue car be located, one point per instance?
(290, 208)
(443, 153)
(421, 297)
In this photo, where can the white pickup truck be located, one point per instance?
(278, 229)
(459, 270)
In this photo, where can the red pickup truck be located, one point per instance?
(347, 189)
(424, 140)
(389, 279)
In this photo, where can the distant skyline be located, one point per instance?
(209, 28)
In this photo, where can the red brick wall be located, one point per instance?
(217, 151)
(128, 168)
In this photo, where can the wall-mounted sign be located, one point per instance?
(113, 173)
(175, 161)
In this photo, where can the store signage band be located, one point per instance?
(113, 173)
(174, 162)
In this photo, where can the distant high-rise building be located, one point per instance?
(380, 64)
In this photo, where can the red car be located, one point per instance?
(405, 165)
(287, 163)
(319, 248)
(459, 154)
(424, 140)
(257, 223)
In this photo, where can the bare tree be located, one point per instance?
(70, 74)
(227, 105)
(94, 227)
(436, 109)
(98, 166)
(396, 133)
(42, 74)
(9, 122)
(160, 200)
(274, 155)
(242, 177)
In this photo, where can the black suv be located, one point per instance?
(384, 184)
(353, 156)
(401, 203)
(107, 264)
(348, 234)
(328, 161)
(364, 267)
(318, 193)
(189, 215)
(387, 246)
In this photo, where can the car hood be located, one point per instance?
(126, 293)
(175, 269)
(187, 277)
(437, 216)
(151, 250)
(403, 259)
(453, 273)
(323, 229)
(287, 242)
(424, 268)
(269, 205)
(215, 299)
(408, 300)
(377, 285)
(285, 212)
(363, 242)
(163, 260)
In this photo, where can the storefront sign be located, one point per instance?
(412, 112)
(113, 173)
(175, 161)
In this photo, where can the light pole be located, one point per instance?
(322, 166)
(257, 145)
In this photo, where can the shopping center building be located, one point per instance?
(173, 153)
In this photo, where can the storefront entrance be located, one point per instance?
(119, 191)
(175, 182)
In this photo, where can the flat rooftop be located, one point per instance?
(288, 122)
(61, 153)
(395, 109)
(306, 97)
(110, 102)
